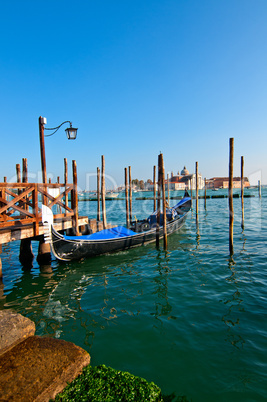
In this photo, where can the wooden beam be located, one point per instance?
(8, 235)
(230, 197)
(103, 192)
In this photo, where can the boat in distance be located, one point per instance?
(119, 238)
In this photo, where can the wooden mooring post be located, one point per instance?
(66, 180)
(1, 272)
(230, 197)
(75, 199)
(130, 193)
(242, 192)
(168, 188)
(154, 188)
(158, 203)
(259, 188)
(103, 192)
(25, 253)
(126, 196)
(163, 202)
(196, 188)
(98, 194)
(205, 194)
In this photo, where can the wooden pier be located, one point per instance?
(21, 216)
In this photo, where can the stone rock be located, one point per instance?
(14, 329)
(38, 368)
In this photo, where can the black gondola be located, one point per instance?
(119, 238)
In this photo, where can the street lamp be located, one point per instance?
(71, 135)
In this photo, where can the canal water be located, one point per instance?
(191, 319)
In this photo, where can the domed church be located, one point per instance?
(185, 180)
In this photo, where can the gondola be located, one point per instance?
(119, 238)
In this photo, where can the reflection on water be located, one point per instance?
(192, 310)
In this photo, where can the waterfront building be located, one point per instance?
(223, 182)
(185, 180)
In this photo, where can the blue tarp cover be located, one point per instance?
(113, 233)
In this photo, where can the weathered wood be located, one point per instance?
(66, 181)
(259, 188)
(205, 194)
(154, 185)
(168, 188)
(103, 192)
(36, 209)
(196, 188)
(230, 195)
(42, 149)
(18, 198)
(22, 232)
(98, 194)
(26, 255)
(158, 203)
(44, 252)
(242, 192)
(163, 202)
(126, 197)
(130, 193)
(18, 173)
(75, 198)
(24, 170)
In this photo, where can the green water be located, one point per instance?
(191, 319)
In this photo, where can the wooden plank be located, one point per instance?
(9, 235)
(17, 199)
(50, 197)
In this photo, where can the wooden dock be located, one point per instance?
(21, 215)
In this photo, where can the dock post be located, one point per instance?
(168, 188)
(126, 197)
(242, 192)
(205, 194)
(18, 173)
(130, 194)
(103, 192)
(25, 254)
(231, 206)
(196, 188)
(154, 187)
(163, 202)
(259, 188)
(75, 208)
(1, 273)
(44, 252)
(98, 193)
(66, 181)
(158, 204)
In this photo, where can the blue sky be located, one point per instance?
(136, 77)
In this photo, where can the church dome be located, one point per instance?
(184, 172)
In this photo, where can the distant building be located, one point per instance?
(223, 182)
(185, 180)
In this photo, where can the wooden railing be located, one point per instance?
(20, 203)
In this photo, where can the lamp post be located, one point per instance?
(71, 135)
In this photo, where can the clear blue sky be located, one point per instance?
(136, 77)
